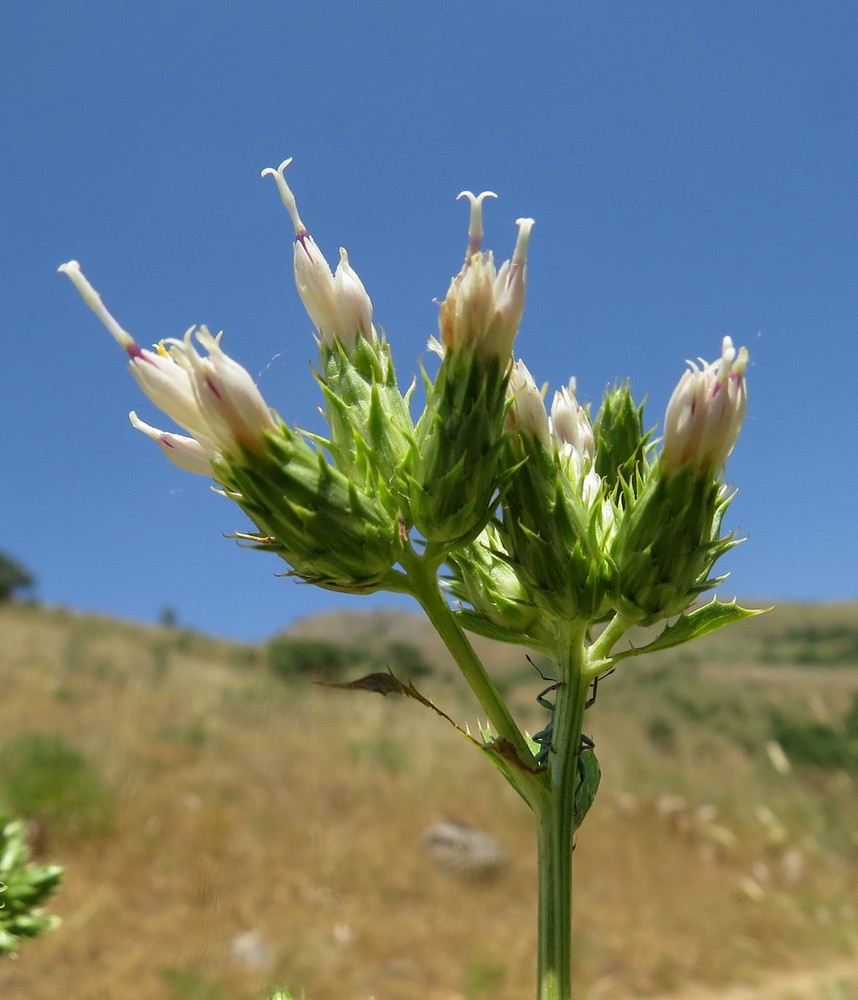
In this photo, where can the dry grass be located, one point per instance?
(246, 805)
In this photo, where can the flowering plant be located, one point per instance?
(500, 517)
(25, 888)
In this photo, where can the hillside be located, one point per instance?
(225, 829)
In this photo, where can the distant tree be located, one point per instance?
(317, 658)
(13, 577)
(408, 659)
(168, 617)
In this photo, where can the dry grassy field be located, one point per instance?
(226, 829)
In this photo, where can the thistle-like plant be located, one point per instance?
(24, 888)
(499, 517)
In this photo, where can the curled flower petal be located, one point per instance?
(186, 452)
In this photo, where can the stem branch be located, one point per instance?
(602, 646)
(425, 588)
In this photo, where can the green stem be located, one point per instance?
(554, 829)
(605, 643)
(556, 823)
(424, 587)
(552, 800)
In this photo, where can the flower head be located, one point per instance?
(483, 306)
(210, 396)
(705, 412)
(337, 303)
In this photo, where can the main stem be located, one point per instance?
(552, 801)
(556, 823)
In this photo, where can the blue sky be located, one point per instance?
(691, 168)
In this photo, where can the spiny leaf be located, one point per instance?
(382, 683)
(502, 753)
(701, 621)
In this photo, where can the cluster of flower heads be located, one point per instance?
(485, 416)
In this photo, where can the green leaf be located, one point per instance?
(690, 626)
(474, 622)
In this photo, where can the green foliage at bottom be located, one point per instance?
(189, 984)
(24, 888)
(483, 979)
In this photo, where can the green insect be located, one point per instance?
(589, 775)
(587, 767)
(544, 737)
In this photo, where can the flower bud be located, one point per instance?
(330, 531)
(705, 413)
(667, 542)
(620, 441)
(526, 412)
(571, 426)
(555, 519)
(573, 438)
(338, 303)
(483, 577)
(483, 307)
(456, 469)
(371, 431)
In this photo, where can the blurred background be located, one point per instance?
(690, 168)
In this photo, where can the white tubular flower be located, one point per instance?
(186, 452)
(232, 408)
(212, 397)
(164, 382)
(705, 412)
(337, 304)
(483, 307)
(573, 436)
(591, 489)
(527, 409)
(571, 427)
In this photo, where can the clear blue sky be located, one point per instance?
(691, 168)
